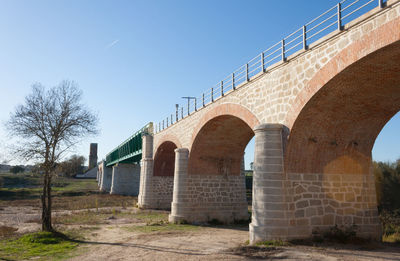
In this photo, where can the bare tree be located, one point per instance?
(50, 122)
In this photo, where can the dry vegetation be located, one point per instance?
(111, 225)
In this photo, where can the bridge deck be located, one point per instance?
(129, 151)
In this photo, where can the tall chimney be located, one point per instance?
(93, 155)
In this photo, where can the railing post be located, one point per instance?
(171, 118)
(233, 81)
(167, 122)
(262, 62)
(283, 50)
(212, 94)
(222, 88)
(380, 3)
(188, 111)
(247, 72)
(182, 112)
(304, 38)
(177, 112)
(195, 104)
(203, 101)
(339, 16)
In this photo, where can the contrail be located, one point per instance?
(112, 44)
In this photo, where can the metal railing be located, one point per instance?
(129, 151)
(331, 20)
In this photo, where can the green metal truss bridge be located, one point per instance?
(129, 151)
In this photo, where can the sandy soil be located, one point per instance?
(113, 242)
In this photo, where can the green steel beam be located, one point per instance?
(129, 151)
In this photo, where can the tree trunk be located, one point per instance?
(46, 203)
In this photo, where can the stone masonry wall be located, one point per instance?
(163, 187)
(215, 197)
(319, 201)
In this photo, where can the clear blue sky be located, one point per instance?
(135, 59)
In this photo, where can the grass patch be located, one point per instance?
(272, 243)
(92, 217)
(39, 245)
(152, 218)
(161, 228)
(81, 218)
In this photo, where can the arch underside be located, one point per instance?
(219, 147)
(164, 160)
(337, 128)
(162, 181)
(215, 184)
(328, 155)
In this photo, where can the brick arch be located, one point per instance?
(382, 36)
(335, 120)
(226, 109)
(168, 137)
(164, 159)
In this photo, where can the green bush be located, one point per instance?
(387, 182)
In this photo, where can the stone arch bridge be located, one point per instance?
(315, 114)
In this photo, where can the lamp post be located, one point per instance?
(188, 101)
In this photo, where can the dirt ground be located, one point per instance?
(113, 241)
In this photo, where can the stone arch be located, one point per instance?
(333, 126)
(362, 80)
(215, 185)
(383, 36)
(164, 159)
(168, 137)
(226, 109)
(219, 140)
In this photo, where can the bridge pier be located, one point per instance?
(270, 206)
(155, 191)
(125, 179)
(203, 198)
(98, 177)
(289, 205)
(105, 177)
(179, 205)
(145, 198)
